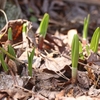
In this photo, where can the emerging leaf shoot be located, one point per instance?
(75, 56)
(95, 40)
(11, 50)
(4, 65)
(8, 54)
(75, 50)
(81, 51)
(30, 61)
(10, 34)
(24, 28)
(85, 28)
(42, 30)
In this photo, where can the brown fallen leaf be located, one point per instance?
(62, 93)
(16, 26)
(94, 58)
(16, 93)
(56, 64)
(93, 74)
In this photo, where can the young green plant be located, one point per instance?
(9, 40)
(24, 30)
(81, 56)
(10, 48)
(4, 65)
(74, 57)
(42, 30)
(95, 40)
(9, 55)
(85, 29)
(30, 61)
(10, 34)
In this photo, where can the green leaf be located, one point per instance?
(95, 40)
(30, 61)
(4, 65)
(11, 50)
(75, 51)
(32, 54)
(81, 51)
(10, 34)
(29, 65)
(74, 56)
(80, 47)
(85, 27)
(88, 50)
(24, 28)
(8, 54)
(42, 30)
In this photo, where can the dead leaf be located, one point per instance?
(94, 92)
(56, 64)
(6, 81)
(60, 94)
(17, 93)
(16, 26)
(94, 58)
(93, 74)
(83, 79)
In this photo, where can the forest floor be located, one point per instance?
(51, 68)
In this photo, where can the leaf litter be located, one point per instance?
(51, 73)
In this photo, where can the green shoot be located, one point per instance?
(88, 50)
(42, 30)
(75, 57)
(24, 28)
(95, 40)
(4, 65)
(11, 50)
(81, 51)
(30, 61)
(8, 54)
(85, 28)
(10, 34)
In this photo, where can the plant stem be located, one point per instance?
(74, 75)
(41, 41)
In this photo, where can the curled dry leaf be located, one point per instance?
(94, 58)
(16, 26)
(83, 79)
